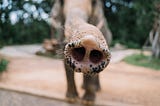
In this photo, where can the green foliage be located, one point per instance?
(3, 65)
(30, 26)
(130, 20)
(25, 34)
(143, 60)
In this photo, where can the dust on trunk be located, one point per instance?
(86, 45)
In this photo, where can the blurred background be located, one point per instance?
(28, 21)
(135, 27)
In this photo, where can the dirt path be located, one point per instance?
(122, 84)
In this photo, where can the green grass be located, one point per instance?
(143, 60)
(3, 65)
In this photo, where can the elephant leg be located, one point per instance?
(90, 86)
(95, 81)
(71, 94)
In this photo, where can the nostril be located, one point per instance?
(78, 53)
(95, 56)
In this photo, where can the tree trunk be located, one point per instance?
(156, 44)
(155, 34)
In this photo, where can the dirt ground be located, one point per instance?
(122, 84)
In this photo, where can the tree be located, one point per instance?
(154, 34)
(29, 24)
(129, 20)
